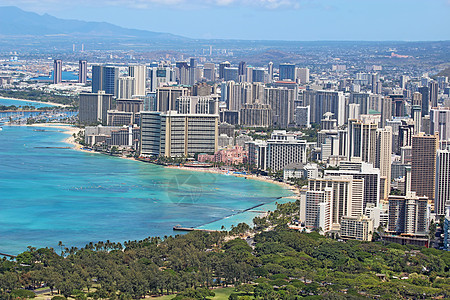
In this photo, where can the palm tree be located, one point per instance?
(60, 244)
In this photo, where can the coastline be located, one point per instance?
(253, 177)
(233, 219)
(35, 101)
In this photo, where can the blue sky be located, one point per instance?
(302, 20)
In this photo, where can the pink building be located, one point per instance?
(229, 156)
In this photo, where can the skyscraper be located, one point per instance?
(287, 72)
(125, 87)
(110, 75)
(256, 115)
(416, 112)
(209, 71)
(281, 100)
(417, 99)
(408, 214)
(94, 107)
(230, 73)
(362, 141)
(361, 170)
(258, 75)
(328, 101)
(363, 100)
(383, 160)
(347, 195)
(386, 111)
(166, 97)
(222, 66)
(303, 75)
(57, 71)
(442, 187)
(104, 78)
(423, 164)
(424, 91)
(318, 209)
(82, 71)
(434, 91)
(97, 78)
(177, 135)
(284, 151)
(182, 72)
(398, 105)
(193, 77)
(440, 122)
(139, 73)
(270, 71)
(242, 68)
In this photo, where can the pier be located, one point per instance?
(53, 147)
(7, 255)
(180, 228)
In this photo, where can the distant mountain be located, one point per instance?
(17, 22)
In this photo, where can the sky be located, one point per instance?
(300, 20)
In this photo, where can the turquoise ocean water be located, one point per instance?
(65, 76)
(49, 195)
(17, 103)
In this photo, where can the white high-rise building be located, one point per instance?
(270, 71)
(139, 73)
(362, 141)
(303, 75)
(358, 228)
(440, 122)
(361, 170)
(282, 152)
(347, 197)
(197, 105)
(125, 87)
(383, 158)
(442, 188)
(178, 135)
(318, 209)
(160, 76)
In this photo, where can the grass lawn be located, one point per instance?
(221, 294)
(167, 297)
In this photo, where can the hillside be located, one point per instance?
(17, 22)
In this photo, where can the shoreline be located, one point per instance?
(69, 130)
(35, 101)
(251, 176)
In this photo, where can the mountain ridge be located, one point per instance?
(17, 22)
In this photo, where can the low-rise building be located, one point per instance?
(299, 170)
(358, 228)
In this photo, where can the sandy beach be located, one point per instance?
(25, 100)
(254, 177)
(70, 130)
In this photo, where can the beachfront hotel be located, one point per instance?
(176, 135)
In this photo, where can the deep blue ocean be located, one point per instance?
(49, 195)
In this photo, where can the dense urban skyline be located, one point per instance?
(264, 19)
